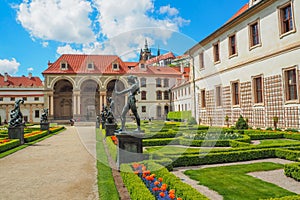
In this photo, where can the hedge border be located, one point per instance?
(292, 170)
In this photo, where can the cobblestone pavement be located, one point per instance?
(276, 177)
(59, 167)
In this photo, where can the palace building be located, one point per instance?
(250, 67)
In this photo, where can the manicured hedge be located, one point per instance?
(292, 170)
(293, 136)
(236, 144)
(35, 137)
(296, 197)
(56, 129)
(9, 145)
(288, 154)
(134, 185)
(160, 142)
(179, 115)
(170, 134)
(3, 135)
(112, 148)
(261, 135)
(183, 190)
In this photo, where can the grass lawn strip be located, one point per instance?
(106, 184)
(232, 182)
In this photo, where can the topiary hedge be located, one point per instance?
(35, 137)
(161, 142)
(261, 135)
(292, 170)
(183, 190)
(296, 197)
(9, 145)
(135, 186)
(179, 115)
(293, 136)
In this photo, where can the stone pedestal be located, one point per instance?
(130, 147)
(97, 124)
(44, 126)
(16, 133)
(110, 129)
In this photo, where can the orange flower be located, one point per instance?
(172, 196)
(136, 172)
(160, 179)
(162, 194)
(172, 191)
(156, 183)
(155, 189)
(179, 198)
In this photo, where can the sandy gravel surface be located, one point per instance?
(276, 176)
(59, 167)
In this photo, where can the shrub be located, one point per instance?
(179, 115)
(269, 129)
(291, 130)
(241, 124)
(292, 170)
(32, 136)
(192, 121)
(9, 145)
(293, 136)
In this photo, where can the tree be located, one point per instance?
(241, 124)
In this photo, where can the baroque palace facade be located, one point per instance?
(250, 67)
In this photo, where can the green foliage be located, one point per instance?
(229, 181)
(292, 130)
(183, 190)
(35, 137)
(293, 136)
(112, 148)
(106, 184)
(0, 120)
(292, 170)
(269, 129)
(294, 197)
(179, 115)
(191, 121)
(236, 144)
(241, 124)
(9, 145)
(134, 185)
(287, 154)
(261, 135)
(159, 142)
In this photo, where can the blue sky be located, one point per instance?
(34, 32)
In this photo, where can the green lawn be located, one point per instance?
(278, 141)
(232, 182)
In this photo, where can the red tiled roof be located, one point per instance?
(22, 81)
(186, 71)
(77, 64)
(161, 57)
(243, 9)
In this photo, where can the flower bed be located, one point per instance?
(6, 144)
(28, 137)
(155, 185)
(56, 129)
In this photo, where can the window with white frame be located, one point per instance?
(254, 34)
(64, 65)
(258, 89)
(115, 66)
(232, 45)
(291, 88)
(216, 50)
(286, 18)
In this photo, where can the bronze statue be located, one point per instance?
(44, 116)
(16, 117)
(133, 90)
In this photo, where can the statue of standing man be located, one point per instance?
(131, 101)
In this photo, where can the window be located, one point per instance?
(144, 109)
(216, 52)
(158, 95)
(12, 98)
(291, 84)
(158, 82)
(232, 45)
(144, 95)
(166, 95)
(115, 66)
(90, 66)
(142, 66)
(1, 98)
(36, 113)
(158, 111)
(36, 98)
(166, 82)
(258, 90)
(143, 82)
(218, 96)
(203, 102)
(235, 93)
(63, 65)
(201, 60)
(254, 34)
(24, 98)
(286, 18)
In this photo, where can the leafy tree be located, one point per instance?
(241, 124)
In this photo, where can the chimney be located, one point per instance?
(5, 77)
(29, 75)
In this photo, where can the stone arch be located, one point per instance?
(90, 100)
(82, 80)
(58, 78)
(118, 99)
(62, 97)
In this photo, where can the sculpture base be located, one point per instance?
(44, 126)
(130, 148)
(110, 129)
(16, 133)
(97, 124)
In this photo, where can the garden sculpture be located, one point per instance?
(109, 114)
(131, 101)
(44, 117)
(16, 117)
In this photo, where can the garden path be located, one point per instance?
(60, 167)
(276, 177)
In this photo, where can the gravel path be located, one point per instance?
(59, 167)
(276, 176)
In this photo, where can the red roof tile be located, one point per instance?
(243, 9)
(161, 57)
(22, 81)
(154, 70)
(77, 64)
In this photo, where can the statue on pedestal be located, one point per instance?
(44, 116)
(133, 90)
(16, 117)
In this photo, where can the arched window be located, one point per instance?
(166, 95)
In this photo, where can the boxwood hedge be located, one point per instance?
(9, 145)
(292, 170)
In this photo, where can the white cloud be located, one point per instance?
(30, 69)
(9, 66)
(63, 20)
(168, 10)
